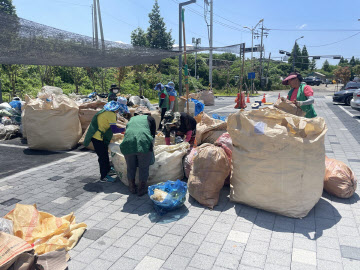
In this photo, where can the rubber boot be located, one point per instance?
(167, 140)
(142, 190)
(132, 186)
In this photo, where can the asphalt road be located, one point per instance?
(15, 156)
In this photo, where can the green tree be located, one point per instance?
(342, 73)
(352, 61)
(138, 38)
(356, 70)
(78, 75)
(296, 51)
(326, 66)
(312, 65)
(7, 7)
(157, 37)
(305, 58)
(120, 75)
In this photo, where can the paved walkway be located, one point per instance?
(125, 233)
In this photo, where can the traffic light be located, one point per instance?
(316, 57)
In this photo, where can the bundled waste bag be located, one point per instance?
(11, 249)
(9, 131)
(339, 179)
(278, 160)
(289, 107)
(210, 168)
(51, 123)
(87, 111)
(188, 161)
(168, 196)
(208, 97)
(208, 130)
(160, 139)
(45, 231)
(168, 163)
(225, 142)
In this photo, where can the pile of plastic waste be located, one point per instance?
(10, 118)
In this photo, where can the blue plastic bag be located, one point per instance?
(216, 116)
(15, 104)
(199, 107)
(174, 199)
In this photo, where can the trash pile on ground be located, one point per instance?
(10, 119)
(168, 196)
(339, 179)
(30, 238)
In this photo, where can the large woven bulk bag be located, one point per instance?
(167, 166)
(208, 97)
(52, 125)
(87, 111)
(157, 117)
(210, 168)
(208, 130)
(339, 179)
(278, 160)
(188, 161)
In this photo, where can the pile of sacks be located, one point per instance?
(31, 239)
(10, 119)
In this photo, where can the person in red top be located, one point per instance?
(300, 94)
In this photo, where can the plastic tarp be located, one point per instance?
(208, 130)
(45, 231)
(52, 124)
(210, 168)
(339, 179)
(278, 160)
(168, 163)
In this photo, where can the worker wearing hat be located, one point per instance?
(100, 132)
(170, 88)
(301, 95)
(137, 148)
(114, 90)
(164, 104)
(183, 125)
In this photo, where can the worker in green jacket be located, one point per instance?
(301, 95)
(137, 148)
(100, 132)
(164, 103)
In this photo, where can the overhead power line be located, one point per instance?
(333, 42)
(316, 30)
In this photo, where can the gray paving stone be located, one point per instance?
(100, 264)
(124, 263)
(328, 265)
(278, 257)
(200, 228)
(221, 227)
(216, 237)
(99, 216)
(242, 226)
(148, 240)
(88, 255)
(83, 243)
(137, 252)
(304, 243)
(149, 263)
(185, 249)
(176, 262)
(257, 246)
(170, 240)
(201, 261)
(137, 231)
(125, 241)
(260, 235)
(329, 254)
(350, 252)
(328, 242)
(211, 249)
(246, 267)
(302, 266)
(194, 238)
(127, 223)
(94, 234)
(112, 254)
(74, 264)
(161, 251)
(158, 230)
(228, 260)
(206, 219)
(253, 259)
(281, 245)
(103, 243)
(180, 230)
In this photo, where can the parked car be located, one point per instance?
(344, 96)
(312, 80)
(355, 102)
(352, 85)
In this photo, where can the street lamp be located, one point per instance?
(180, 42)
(252, 45)
(196, 41)
(294, 57)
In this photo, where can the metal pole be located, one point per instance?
(1, 99)
(101, 28)
(96, 28)
(261, 46)
(180, 42)
(195, 58)
(180, 49)
(92, 20)
(211, 44)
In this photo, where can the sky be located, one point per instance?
(329, 27)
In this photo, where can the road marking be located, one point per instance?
(40, 167)
(14, 146)
(349, 113)
(26, 147)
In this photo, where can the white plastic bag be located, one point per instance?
(6, 226)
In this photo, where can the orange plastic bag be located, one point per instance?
(339, 178)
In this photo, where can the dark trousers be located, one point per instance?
(163, 111)
(141, 160)
(103, 156)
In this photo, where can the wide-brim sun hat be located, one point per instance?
(159, 86)
(286, 80)
(112, 106)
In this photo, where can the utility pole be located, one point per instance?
(211, 44)
(261, 52)
(180, 42)
(95, 26)
(92, 23)
(101, 28)
(196, 41)
(267, 70)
